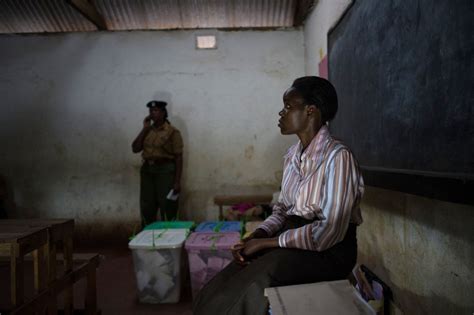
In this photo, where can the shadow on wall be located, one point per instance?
(179, 123)
(197, 203)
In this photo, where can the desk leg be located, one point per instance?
(68, 267)
(91, 291)
(39, 263)
(53, 303)
(16, 276)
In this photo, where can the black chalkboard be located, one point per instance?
(404, 75)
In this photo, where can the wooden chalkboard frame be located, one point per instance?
(441, 186)
(452, 189)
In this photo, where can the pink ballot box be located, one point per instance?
(208, 253)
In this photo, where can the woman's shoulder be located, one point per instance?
(337, 147)
(336, 144)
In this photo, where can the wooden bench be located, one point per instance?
(46, 300)
(230, 200)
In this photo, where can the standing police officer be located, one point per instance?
(161, 145)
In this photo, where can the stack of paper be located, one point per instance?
(334, 297)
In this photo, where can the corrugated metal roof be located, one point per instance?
(37, 16)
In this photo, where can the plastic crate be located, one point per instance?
(159, 225)
(157, 261)
(208, 254)
(219, 226)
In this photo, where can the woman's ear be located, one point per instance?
(314, 114)
(311, 110)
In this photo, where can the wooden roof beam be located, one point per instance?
(303, 7)
(90, 12)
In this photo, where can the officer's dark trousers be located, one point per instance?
(156, 181)
(239, 289)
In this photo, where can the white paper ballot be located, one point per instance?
(172, 195)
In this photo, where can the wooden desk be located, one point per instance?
(230, 200)
(19, 241)
(59, 234)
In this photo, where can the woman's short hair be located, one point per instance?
(320, 93)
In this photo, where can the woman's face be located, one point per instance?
(156, 114)
(293, 116)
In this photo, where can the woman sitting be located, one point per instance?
(311, 235)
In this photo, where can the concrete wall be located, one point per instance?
(319, 22)
(72, 105)
(422, 248)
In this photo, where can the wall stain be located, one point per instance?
(249, 151)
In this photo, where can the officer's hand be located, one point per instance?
(147, 122)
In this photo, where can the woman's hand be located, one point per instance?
(137, 145)
(236, 250)
(147, 122)
(255, 245)
(251, 245)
